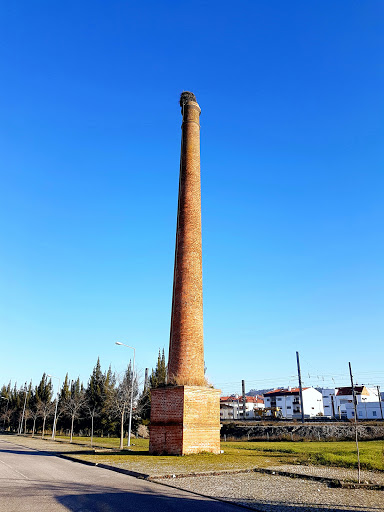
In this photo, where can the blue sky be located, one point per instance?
(292, 185)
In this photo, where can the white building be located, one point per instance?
(285, 403)
(331, 406)
(231, 407)
(337, 400)
(366, 410)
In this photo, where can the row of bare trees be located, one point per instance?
(101, 407)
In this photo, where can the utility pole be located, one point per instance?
(300, 388)
(355, 409)
(146, 380)
(244, 398)
(379, 397)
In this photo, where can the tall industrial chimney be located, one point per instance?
(185, 414)
(186, 347)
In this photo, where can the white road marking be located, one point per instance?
(13, 469)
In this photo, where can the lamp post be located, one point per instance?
(22, 417)
(133, 374)
(6, 410)
(57, 401)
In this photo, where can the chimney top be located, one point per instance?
(186, 96)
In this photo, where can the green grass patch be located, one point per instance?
(341, 454)
(137, 458)
(108, 442)
(236, 456)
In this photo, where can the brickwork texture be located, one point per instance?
(186, 347)
(185, 420)
(185, 415)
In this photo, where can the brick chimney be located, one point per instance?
(186, 347)
(185, 414)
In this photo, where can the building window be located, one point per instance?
(374, 413)
(289, 407)
(279, 399)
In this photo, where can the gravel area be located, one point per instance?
(371, 477)
(273, 493)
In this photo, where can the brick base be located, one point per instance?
(184, 420)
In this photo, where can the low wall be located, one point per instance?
(331, 432)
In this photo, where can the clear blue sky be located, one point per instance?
(292, 185)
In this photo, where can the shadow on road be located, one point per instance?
(148, 502)
(128, 501)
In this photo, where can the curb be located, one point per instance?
(331, 482)
(142, 476)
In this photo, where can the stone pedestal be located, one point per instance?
(184, 420)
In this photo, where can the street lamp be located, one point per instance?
(22, 417)
(57, 401)
(133, 374)
(6, 410)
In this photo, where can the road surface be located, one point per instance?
(32, 480)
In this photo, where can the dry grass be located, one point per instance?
(337, 454)
(241, 456)
(138, 459)
(191, 381)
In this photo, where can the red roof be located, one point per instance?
(248, 399)
(292, 391)
(346, 391)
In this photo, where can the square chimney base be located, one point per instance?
(184, 420)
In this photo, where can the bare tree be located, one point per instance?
(44, 410)
(121, 400)
(34, 412)
(93, 413)
(27, 415)
(43, 397)
(75, 403)
(6, 416)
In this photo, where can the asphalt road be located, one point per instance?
(32, 480)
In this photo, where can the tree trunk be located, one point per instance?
(42, 434)
(92, 431)
(73, 419)
(33, 428)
